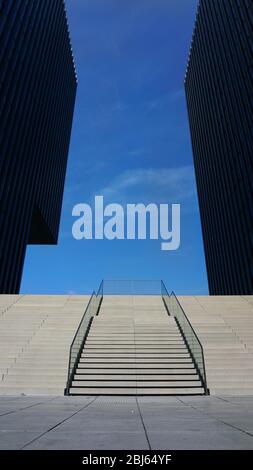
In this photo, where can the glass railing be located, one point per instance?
(76, 347)
(131, 287)
(195, 347)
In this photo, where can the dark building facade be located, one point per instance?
(219, 90)
(37, 95)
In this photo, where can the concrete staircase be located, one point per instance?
(224, 325)
(135, 348)
(35, 334)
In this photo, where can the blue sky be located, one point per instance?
(130, 142)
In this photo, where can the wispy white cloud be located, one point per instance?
(96, 167)
(159, 185)
(168, 97)
(105, 115)
(72, 188)
(177, 95)
(118, 107)
(138, 152)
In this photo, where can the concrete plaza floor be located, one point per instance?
(126, 423)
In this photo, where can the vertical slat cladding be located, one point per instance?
(219, 89)
(237, 112)
(20, 174)
(10, 148)
(61, 139)
(216, 164)
(41, 122)
(203, 165)
(37, 94)
(26, 160)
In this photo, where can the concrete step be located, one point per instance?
(136, 377)
(132, 347)
(233, 391)
(231, 380)
(217, 366)
(37, 378)
(129, 357)
(134, 351)
(133, 331)
(140, 391)
(137, 361)
(133, 337)
(134, 357)
(134, 370)
(33, 382)
(134, 383)
(134, 341)
(27, 389)
(140, 323)
(235, 372)
(166, 333)
(229, 357)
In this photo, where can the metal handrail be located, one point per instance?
(193, 342)
(99, 295)
(77, 344)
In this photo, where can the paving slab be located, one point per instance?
(200, 440)
(125, 423)
(95, 441)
